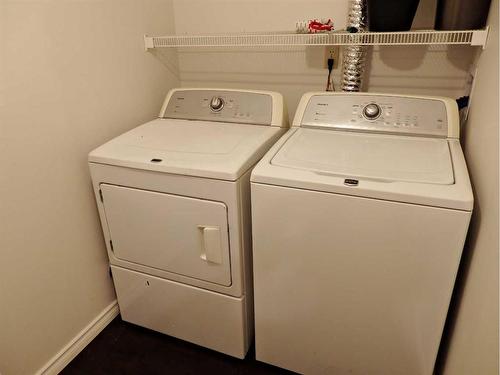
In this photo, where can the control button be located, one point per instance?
(216, 104)
(372, 111)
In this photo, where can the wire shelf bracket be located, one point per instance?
(420, 37)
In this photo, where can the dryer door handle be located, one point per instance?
(211, 244)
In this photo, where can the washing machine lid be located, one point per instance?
(369, 156)
(197, 148)
(416, 170)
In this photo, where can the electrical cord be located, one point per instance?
(329, 82)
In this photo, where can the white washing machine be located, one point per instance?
(359, 217)
(174, 202)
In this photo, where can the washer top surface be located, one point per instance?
(197, 148)
(380, 146)
(373, 156)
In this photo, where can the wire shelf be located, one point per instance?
(424, 37)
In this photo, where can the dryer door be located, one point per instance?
(182, 235)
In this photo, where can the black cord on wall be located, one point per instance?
(329, 82)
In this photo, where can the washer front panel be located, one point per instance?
(346, 284)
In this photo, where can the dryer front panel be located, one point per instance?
(178, 234)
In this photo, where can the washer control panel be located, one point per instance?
(377, 113)
(220, 105)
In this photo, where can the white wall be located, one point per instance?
(293, 71)
(472, 345)
(73, 74)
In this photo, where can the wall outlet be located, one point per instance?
(331, 51)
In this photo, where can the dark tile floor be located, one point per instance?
(123, 348)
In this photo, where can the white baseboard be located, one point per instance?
(80, 341)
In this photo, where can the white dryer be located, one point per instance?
(174, 202)
(359, 217)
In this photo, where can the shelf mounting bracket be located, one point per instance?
(148, 43)
(480, 37)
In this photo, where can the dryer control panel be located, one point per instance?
(378, 113)
(220, 105)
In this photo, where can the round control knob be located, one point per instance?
(371, 111)
(216, 104)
